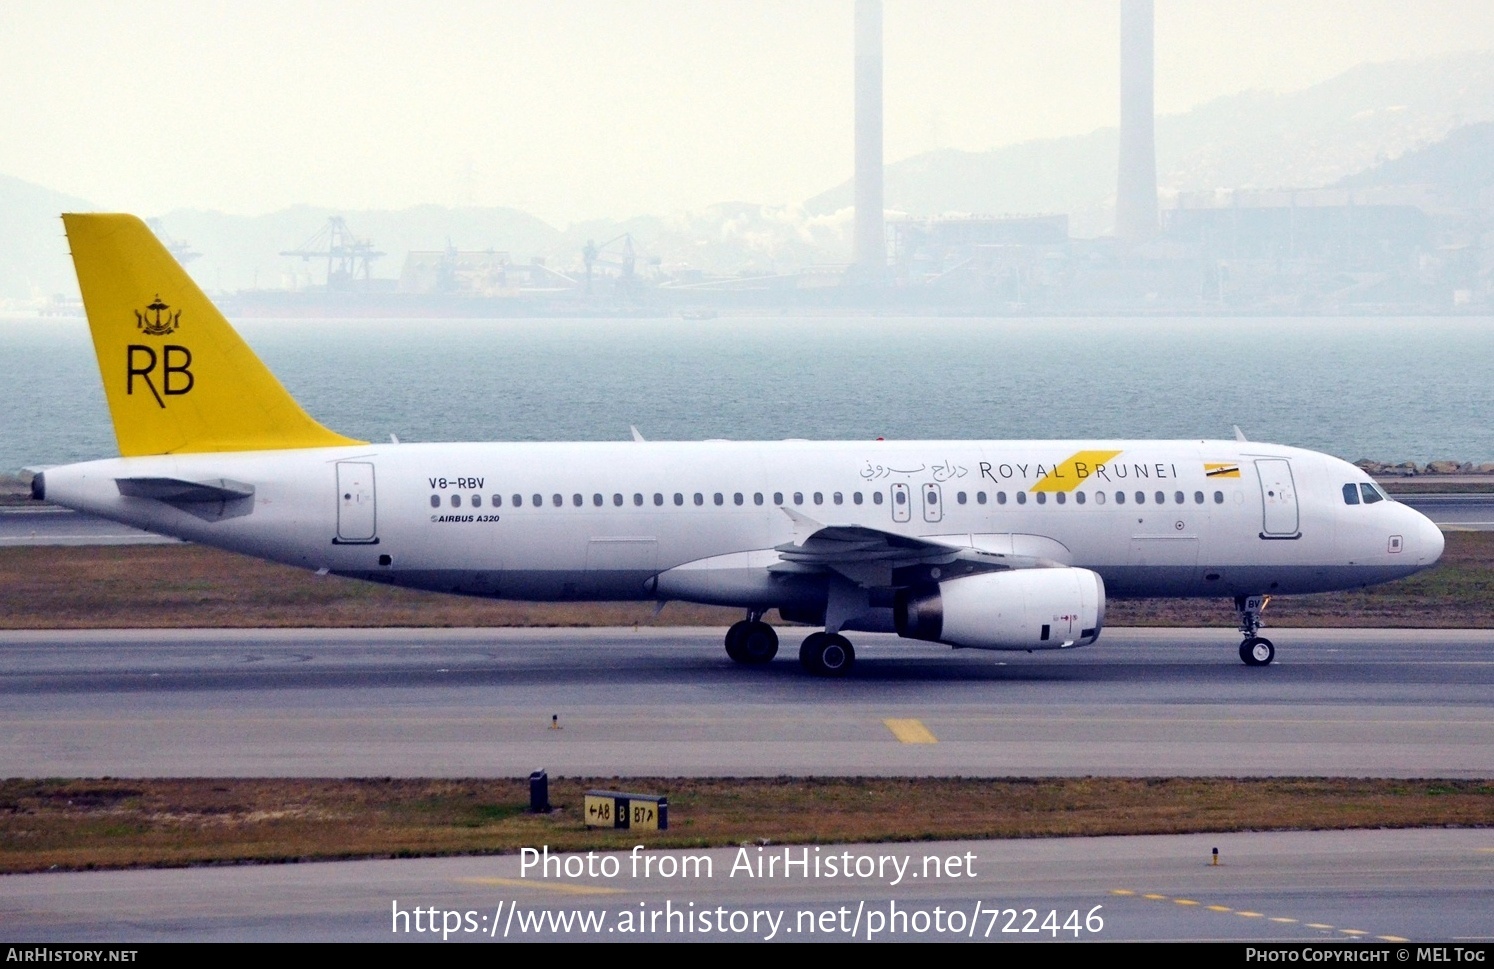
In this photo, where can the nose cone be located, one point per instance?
(1424, 541)
(1429, 540)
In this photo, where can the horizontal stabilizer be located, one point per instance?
(176, 491)
(211, 501)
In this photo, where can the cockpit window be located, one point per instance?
(1370, 492)
(1351, 494)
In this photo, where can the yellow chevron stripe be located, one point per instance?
(1073, 472)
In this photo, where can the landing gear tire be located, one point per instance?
(734, 640)
(751, 643)
(827, 654)
(1257, 651)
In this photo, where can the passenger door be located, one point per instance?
(1279, 513)
(357, 520)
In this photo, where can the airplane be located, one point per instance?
(996, 545)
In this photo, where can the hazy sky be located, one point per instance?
(575, 109)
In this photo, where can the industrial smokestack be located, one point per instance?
(871, 246)
(1136, 187)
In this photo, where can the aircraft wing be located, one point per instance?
(872, 557)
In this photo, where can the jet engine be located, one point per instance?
(1021, 609)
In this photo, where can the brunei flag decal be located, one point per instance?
(1227, 469)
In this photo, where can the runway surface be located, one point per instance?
(1372, 887)
(49, 525)
(668, 702)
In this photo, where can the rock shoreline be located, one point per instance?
(1410, 469)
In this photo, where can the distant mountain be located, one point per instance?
(1458, 168)
(1307, 138)
(1375, 124)
(33, 252)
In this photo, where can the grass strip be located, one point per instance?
(161, 586)
(123, 823)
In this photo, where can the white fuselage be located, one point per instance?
(701, 521)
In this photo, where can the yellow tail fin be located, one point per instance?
(177, 376)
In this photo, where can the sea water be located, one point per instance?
(1386, 388)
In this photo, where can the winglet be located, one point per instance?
(636, 436)
(177, 377)
(1239, 434)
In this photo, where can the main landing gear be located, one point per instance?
(827, 654)
(751, 642)
(1255, 650)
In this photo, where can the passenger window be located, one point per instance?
(658, 499)
(900, 497)
(537, 500)
(559, 500)
(1079, 497)
(819, 498)
(777, 497)
(856, 497)
(679, 500)
(617, 500)
(980, 497)
(436, 500)
(1001, 497)
(497, 501)
(1021, 497)
(1061, 497)
(1141, 497)
(876, 497)
(597, 500)
(477, 501)
(1099, 497)
(838, 498)
(1370, 494)
(757, 497)
(577, 500)
(1161, 497)
(959, 497)
(798, 497)
(1198, 497)
(699, 499)
(518, 501)
(456, 501)
(1120, 497)
(1042, 497)
(1178, 497)
(637, 500)
(1218, 497)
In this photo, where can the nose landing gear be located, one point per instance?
(1255, 650)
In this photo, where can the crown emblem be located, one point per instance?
(159, 324)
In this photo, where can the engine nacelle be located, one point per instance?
(1020, 609)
